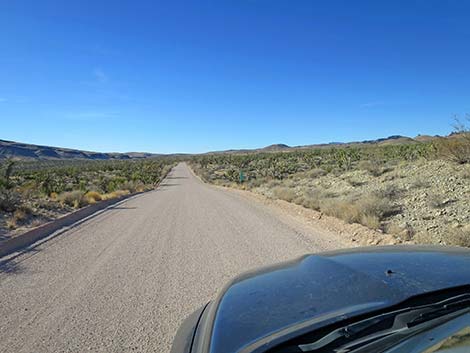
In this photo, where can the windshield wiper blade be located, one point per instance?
(403, 319)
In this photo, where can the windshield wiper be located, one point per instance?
(403, 322)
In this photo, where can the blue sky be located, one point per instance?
(194, 76)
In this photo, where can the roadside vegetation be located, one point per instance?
(32, 193)
(416, 192)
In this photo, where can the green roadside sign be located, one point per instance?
(242, 176)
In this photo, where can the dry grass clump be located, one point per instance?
(405, 231)
(75, 199)
(133, 186)
(316, 173)
(311, 198)
(10, 200)
(425, 237)
(11, 223)
(284, 193)
(93, 197)
(374, 168)
(255, 182)
(390, 191)
(78, 199)
(455, 148)
(459, 236)
(369, 210)
(18, 217)
(115, 194)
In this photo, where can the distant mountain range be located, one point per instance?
(17, 150)
(394, 139)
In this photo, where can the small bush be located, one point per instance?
(10, 200)
(342, 209)
(284, 193)
(75, 199)
(374, 168)
(459, 236)
(404, 231)
(93, 197)
(369, 210)
(255, 182)
(391, 192)
(370, 221)
(455, 148)
(115, 194)
(20, 215)
(312, 198)
(425, 237)
(376, 206)
(11, 223)
(316, 173)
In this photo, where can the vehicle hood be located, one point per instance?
(319, 289)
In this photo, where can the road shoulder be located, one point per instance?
(326, 229)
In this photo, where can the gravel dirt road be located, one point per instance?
(125, 279)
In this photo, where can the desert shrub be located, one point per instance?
(376, 206)
(390, 191)
(255, 182)
(316, 173)
(5, 175)
(375, 168)
(284, 193)
(18, 217)
(342, 209)
(115, 194)
(10, 200)
(312, 198)
(74, 199)
(459, 236)
(370, 221)
(404, 231)
(368, 210)
(11, 223)
(93, 196)
(455, 148)
(425, 237)
(133, 186)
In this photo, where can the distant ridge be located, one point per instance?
(276, 147)
(280, 147)
(17, 150)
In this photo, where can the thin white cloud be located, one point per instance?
(371, 104)
(3, 99)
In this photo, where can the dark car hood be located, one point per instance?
(319, 289)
